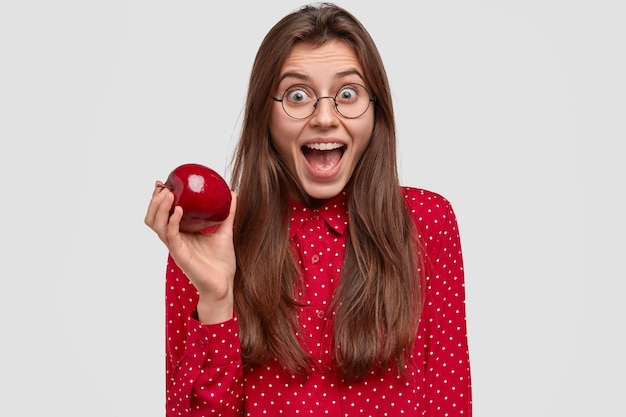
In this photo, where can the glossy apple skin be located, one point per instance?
(202, 193)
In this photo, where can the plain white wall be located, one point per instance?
(512, 110)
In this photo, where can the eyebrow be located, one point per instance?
(304, 77)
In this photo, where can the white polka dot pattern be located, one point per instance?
(204, 371)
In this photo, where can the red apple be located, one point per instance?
(202, 193)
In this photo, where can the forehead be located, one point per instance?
(334, 59)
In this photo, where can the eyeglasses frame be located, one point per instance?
(334, 98)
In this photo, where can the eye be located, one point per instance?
(348, 93)
(299, 94)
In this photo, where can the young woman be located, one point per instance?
(330, 289)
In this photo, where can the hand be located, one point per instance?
(207, 259)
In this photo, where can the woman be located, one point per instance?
(330, 289)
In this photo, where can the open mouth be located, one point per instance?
(323, 157)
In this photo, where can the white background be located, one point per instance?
(513, 110)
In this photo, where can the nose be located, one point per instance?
(325, 114)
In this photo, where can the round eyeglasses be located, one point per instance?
(300, 101)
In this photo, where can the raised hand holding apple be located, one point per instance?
(203, 195)
(207, 259)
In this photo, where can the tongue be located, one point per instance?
(323, 160)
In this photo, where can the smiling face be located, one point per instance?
(322, 150)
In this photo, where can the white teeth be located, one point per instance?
(324, 146)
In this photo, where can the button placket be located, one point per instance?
(317, 223)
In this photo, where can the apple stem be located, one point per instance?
(165, 186)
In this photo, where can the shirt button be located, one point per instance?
(320, 314)
(315, 218)
(315, 258)
(201, 344)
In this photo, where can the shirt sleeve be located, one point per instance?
(447, 366)
(204, 374)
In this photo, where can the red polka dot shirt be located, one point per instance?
(204, 371)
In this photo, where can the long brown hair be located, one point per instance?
(377, 302)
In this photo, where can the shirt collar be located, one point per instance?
(334, 212)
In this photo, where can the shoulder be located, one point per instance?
(439, 239)
(432, 214)
(426, 204)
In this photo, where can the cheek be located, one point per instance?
(283, 132)
(277, 131)
(363, 135)
(278, 119)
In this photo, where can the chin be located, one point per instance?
(323, 192)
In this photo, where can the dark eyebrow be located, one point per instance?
(346, 73)
(297, 75)
(304, 77)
